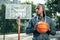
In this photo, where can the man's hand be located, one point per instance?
(49, 29)
(35, 28)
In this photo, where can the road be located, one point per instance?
(24, 36)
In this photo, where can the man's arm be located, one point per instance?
(29, 28)
(52, 28)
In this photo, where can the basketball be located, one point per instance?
(42, 27)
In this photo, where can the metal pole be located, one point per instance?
(4, 20)
(18, 28)
(4, 37)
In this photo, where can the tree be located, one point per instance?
(53, 7)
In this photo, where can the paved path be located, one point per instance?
(23, 36)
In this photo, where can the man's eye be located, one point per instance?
(38, 8)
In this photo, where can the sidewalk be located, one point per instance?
(24, 36)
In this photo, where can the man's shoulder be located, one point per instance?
(33, 18)
(48, 17)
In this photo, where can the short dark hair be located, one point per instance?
(37, 7)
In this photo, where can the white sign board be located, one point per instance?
(15, 10)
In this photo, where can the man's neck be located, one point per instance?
(41, 16)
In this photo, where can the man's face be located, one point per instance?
(40, 10)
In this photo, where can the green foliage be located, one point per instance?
(54, 7)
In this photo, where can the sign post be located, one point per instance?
(18, 11)
(15, 10)
(18, 28)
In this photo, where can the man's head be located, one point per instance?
(40, 10)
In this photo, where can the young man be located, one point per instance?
(41, 15)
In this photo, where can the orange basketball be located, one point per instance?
(42, 27)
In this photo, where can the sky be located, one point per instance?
(35, 1)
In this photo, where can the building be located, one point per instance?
(10, 1)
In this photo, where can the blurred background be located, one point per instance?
(8, 27)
